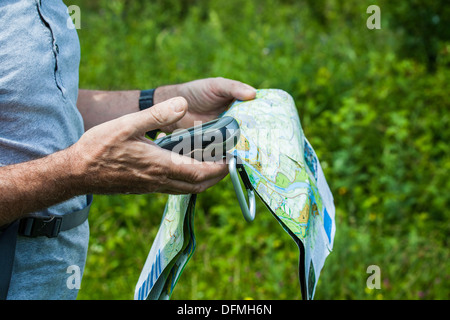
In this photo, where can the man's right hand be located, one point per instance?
(115, 157)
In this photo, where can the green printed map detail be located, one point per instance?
(282, 181)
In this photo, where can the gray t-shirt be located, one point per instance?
(39, 60)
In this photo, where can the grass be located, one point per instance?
(377, 119)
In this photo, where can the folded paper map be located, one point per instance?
(284, 172)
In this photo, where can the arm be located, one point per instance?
(97, 106)
(207, 98)
(113, 157)
(34, 185)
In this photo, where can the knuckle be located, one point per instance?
(195, 177)
(198, 188)
(126, 130)
(158, 172)
(219, 81)
(158, 116)
(123, 127)
(163, 180)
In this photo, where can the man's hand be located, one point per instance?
(207, 99)
(113, 157)
(117, 158)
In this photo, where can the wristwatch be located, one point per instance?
(145, 102)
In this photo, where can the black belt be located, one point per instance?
(34, 227)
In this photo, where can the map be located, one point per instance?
(285, 173)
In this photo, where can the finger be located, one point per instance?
(198, 172)
(190, 170)
(160, 115)
(234, 89)
(183, 187)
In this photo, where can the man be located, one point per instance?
(59, 143)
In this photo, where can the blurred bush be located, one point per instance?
(373, 103)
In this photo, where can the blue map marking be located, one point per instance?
(327, 222)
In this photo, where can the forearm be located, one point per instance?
(166, 92)
(97, 107)
(34, 185)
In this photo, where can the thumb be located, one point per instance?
(160, 115)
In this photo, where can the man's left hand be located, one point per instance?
(207, 98)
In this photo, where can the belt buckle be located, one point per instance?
(40, 226)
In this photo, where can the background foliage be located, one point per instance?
(373, 103)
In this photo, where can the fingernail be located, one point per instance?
(178, 104)
(249, 93)
(250, 89)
